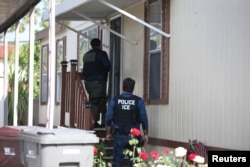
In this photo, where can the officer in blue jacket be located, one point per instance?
(124, 112)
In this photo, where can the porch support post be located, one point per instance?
(4, 114)
(31, 67)
(104, 27)
(134, 18)
(16, 80)
(72, 93)
(63, 93)
(52, 67)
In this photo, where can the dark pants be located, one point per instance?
(120, 144)
(97, 97)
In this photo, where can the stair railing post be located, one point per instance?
(73, 92)
(63, 93)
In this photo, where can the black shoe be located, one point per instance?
(97, 125)
(102, 125)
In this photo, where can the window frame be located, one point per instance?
(79, 56)
(63, 58)
(44, 102)
(164, 90)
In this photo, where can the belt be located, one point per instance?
(120, 132)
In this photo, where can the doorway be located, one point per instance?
(115, 59)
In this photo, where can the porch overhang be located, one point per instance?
(96, 11)
(12, 10)
(91, 8)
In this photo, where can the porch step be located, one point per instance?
(108, 145)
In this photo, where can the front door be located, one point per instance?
(115, 57)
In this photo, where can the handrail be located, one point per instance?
(74, 99)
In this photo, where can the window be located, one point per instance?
(44, 74)
(156, 60)
(60, 56)
(84, 43)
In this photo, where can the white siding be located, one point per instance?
(133, 55)
(209, 64)
(209, 75)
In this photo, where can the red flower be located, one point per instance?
(165, 151)
(135, 132)
(191, 157)
(154, 155)
(95, 150)
(143, 156)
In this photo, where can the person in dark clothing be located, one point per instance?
(96, 66)
(124, 112)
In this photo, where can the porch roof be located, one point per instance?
(13, 10)
(94, 9)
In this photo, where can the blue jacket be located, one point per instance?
(141, 106)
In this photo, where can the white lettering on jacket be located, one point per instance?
(126, 103)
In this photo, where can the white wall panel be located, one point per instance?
(133, 54)
(209, 66)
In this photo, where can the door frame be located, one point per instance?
(115, 58)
